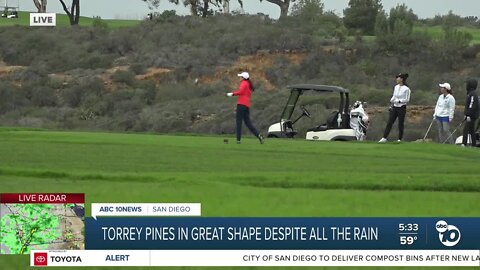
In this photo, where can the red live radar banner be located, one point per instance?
(50, 198)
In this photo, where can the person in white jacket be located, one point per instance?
(398, 108)
(359, 121)
(444, 111)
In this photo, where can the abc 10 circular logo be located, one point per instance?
(449, 235)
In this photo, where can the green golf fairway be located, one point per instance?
(437, 32)
(283, 178)
(63, 20)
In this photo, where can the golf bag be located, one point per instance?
(359, 121)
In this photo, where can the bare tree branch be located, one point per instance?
(74, 13)
(37, 5)
(65, 8)
(283, 4)
(76, 3)
(40, 5)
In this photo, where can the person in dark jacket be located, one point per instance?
(243, 107)
(471, 113)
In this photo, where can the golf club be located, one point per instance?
(455, 130)
(428, 130)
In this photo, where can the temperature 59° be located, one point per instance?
(407, 240)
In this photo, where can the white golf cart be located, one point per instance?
(10, 13)
(337, 126)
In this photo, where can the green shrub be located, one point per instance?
(448, 51)
(11, 98)
(98, 22)
(124, 76)
(44, 96)
(138, 68)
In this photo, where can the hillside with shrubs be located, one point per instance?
(170, 74)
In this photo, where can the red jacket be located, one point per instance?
(244, 92)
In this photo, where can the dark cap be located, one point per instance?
(472, 85)
(404, 76)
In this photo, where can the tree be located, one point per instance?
(41, 5)
(451, 20)
(284, 6)
(204, 10)
(382, 27)
(395, 32)
(360, 16)
(308, 8)
(197, 7)
(74, 12)
(226, 6)
(311, 17)
(152, 4)
(401, 12)
(449, 49)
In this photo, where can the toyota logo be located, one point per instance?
(40, 259)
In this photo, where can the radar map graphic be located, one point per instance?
(41, 226)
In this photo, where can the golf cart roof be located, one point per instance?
(297, 90)
(319, 88)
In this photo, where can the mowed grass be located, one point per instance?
(280, 178)
(437, 32)
(63, 20)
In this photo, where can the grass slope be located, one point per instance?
(63, 20)
(280, 178)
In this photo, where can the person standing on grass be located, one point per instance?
(471, 113)
(444, 111)
(244, 94)
(398, 108)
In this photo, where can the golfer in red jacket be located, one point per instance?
(243, 106)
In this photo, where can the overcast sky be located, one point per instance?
(136, 9)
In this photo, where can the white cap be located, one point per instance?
(244, 75)
(445, 85)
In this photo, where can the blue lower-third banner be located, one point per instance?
(222, 233)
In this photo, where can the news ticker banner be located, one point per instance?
(416, 258)
(221, 233)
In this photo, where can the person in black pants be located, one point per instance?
(243, 115)
(398, 108)
(471, 113)
(243, 107)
